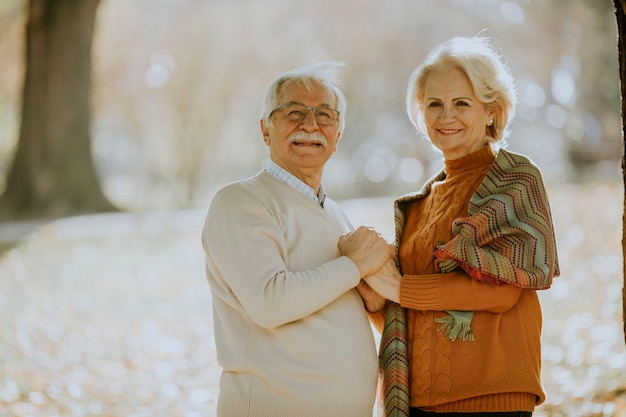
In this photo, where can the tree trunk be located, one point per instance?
(620, 14)
(53, 172)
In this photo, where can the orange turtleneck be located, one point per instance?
(500, 369)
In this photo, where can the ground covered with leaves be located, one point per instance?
(110, 315)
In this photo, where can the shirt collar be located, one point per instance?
(285, 176)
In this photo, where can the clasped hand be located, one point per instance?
(366, 248)
(375, 259)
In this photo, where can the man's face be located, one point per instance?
(303, 147)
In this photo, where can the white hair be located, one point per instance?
(324, 73)
(491, 81)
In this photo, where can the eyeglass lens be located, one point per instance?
(296, 112)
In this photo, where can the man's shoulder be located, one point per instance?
(239, 189)
(260, 179)
(262, 187)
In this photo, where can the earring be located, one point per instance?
(490, 122)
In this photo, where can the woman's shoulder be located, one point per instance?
(507, 158)
(512, 168)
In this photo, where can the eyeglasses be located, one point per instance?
(296, 112)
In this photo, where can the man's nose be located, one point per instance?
(309, 123)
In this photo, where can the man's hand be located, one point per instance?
(366, 248)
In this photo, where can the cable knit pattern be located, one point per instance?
(427, 226)
(415, 253)
(459, 376)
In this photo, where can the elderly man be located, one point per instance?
(292, 335)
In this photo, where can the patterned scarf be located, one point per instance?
(507, 238)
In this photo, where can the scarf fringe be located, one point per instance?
(455, 328)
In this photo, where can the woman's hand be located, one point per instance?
(386, 282)
(372, 300)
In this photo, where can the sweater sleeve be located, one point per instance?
(456, 291)
(247, 255)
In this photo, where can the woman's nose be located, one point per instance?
(447, 113)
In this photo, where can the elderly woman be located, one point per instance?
(473, 246)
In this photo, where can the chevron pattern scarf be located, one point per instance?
(507, 238)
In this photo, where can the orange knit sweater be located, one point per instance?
(500, 369)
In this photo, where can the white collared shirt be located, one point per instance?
(285, 176)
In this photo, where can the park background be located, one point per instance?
(110, 315)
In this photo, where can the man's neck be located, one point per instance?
(298, 181)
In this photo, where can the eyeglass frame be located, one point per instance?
(308, 108)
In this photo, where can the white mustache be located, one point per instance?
(314, 137)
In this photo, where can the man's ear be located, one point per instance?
(265, 132)
(338, 138)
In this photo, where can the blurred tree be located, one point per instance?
(53, 172)
(620, 13)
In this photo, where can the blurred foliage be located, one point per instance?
(177, 88)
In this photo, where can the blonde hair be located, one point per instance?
(489, 76)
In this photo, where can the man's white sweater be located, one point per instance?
(292, 335)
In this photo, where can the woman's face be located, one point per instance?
(455, 119)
